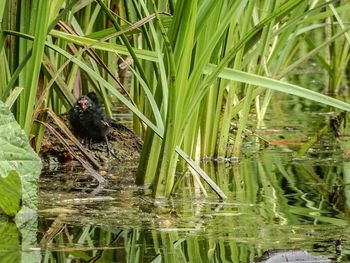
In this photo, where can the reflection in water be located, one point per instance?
(275, 201)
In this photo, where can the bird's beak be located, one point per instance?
(83, 104)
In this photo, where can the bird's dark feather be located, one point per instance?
(91, 120)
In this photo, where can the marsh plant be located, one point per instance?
(193, 68)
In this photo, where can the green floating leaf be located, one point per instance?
(17, 158)
(9, 243)
(10, 192)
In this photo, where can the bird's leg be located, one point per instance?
(90, 143)
(86, 143)
(109, 150)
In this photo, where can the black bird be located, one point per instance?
(89, 120)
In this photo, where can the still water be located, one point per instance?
(277, 200)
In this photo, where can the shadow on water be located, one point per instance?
(276, 202)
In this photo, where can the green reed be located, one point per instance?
(198, 67)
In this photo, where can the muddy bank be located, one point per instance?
(59, 145)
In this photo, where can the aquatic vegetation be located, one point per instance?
(195, 67)
(20, 166)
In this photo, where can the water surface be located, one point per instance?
(276, 201)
